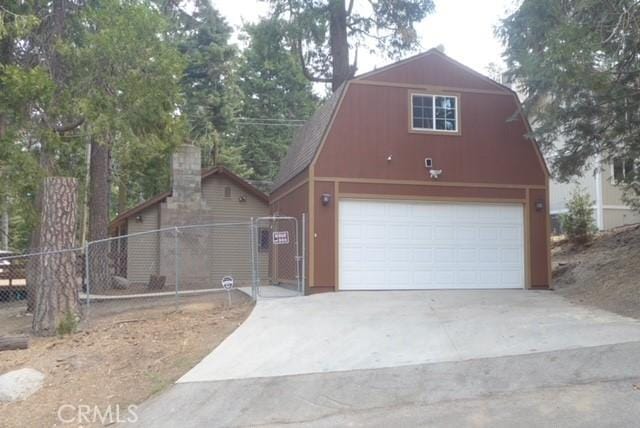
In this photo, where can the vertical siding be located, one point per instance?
(539, 243)
(143, 251)
(230, 246)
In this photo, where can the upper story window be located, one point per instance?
(434, 113)
(622, 168)
(227, 192)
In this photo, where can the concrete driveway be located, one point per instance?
(438, 358)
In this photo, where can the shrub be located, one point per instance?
(68, 324)
(578, 222)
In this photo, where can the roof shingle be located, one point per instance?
(307, 139)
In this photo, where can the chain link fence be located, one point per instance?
(260, 258)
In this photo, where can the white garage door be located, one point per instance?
(420, 245)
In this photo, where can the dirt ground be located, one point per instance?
(123, 356)
(604, 273)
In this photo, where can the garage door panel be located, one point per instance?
(466, 255)
(511, 256)
(443, 232)
(413, 245)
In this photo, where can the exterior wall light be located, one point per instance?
(242, 199)
(539, 205)
(138, 218)
(325, 199)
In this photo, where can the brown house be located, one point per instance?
(419, 175)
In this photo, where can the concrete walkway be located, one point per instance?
(366, 330)
(441, 358)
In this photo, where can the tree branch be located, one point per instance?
(66, 127)
(350, 8)
(305, 71)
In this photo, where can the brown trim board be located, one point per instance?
(429, 183)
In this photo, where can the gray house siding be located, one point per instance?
(230, 246)
(143, 251)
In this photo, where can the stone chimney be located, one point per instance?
(185, 175)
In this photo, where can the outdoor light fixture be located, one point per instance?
(138, 219)
(325, 199)
(539, 205)
(242, 198)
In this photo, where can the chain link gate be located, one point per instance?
(278, 257)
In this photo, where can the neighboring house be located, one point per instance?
(415, 176)
(206, 253)
(599, 183)
(609, 209)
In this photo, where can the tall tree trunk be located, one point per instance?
(4, 224)
(57, 32)
(99, 190)
(58, 283)
(33, 265)
(123, 194)
(339, 43)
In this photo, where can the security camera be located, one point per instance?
(435, 173)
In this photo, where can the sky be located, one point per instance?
(464, 27)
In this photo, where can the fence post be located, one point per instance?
(177, 264)
(304, 255)
(254, 284)
(86, 277)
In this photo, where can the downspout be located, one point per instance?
(599, 202)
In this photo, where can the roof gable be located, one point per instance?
(430, 68)
(433, 68)
(218, 170)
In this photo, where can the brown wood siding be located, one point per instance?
(432, 191)
(539, 240)
(289, 185)
(491, 148)
(434, 70)
(324, 240)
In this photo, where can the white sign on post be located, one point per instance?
(280, 238)
(227, 282)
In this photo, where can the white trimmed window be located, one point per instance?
(434, 113)
(621, 169)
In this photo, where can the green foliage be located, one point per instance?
(578, 223)
(273, 87)
(68, 324)
(314, 30)
(577, 62)
(128, 92)
(16, 19)
(209, 82)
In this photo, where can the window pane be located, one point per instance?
(440, 124)
(451, 125)
(618, 173)
(417, 123)
(439, 101)
(417, 100)
(628, 167)
(428, 113)
(428, 123)
(452, 102)
(417, 111)
(439, 113)
(451, 114)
